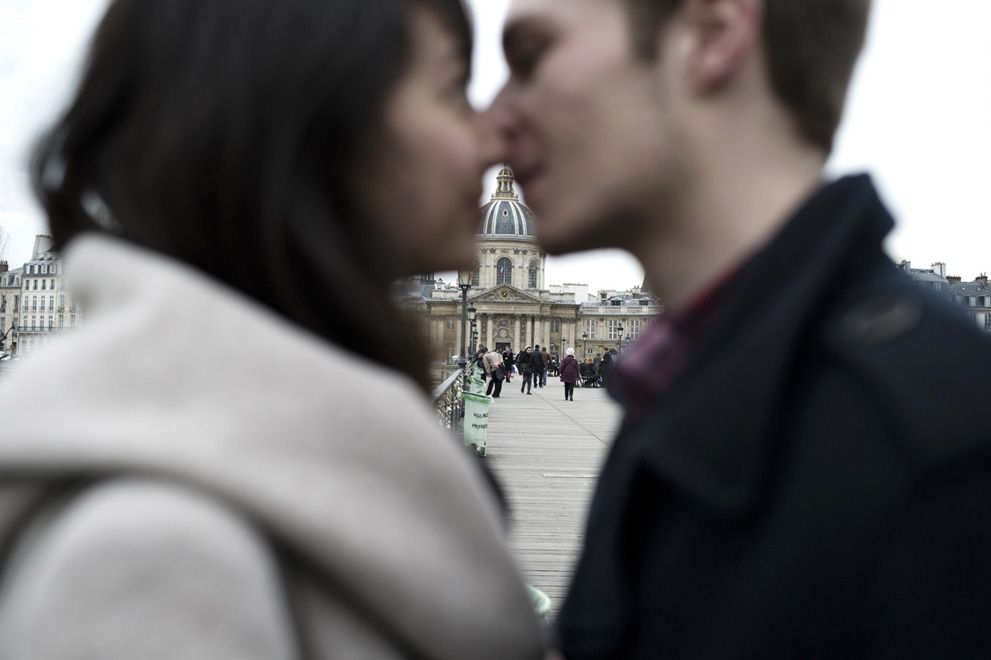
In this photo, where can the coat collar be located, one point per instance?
(710, 436)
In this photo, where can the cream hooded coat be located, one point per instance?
(190, 477)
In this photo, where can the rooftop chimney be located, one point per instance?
(4, 267)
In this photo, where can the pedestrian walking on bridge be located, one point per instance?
(570, 371)
(539, 365)
(497, 373)
(508, 359)
(525, 363)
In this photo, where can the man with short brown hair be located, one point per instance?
(804, 469)
(811, 47)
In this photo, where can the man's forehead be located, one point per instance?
(555, 16)
(526, 9)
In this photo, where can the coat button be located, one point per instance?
(882, 319)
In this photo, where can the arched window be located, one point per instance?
(504, 271)
(533, 272)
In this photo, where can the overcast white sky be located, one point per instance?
(919, 119)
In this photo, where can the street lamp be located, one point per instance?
(464, 283)
(12, 332)
(472, 313)
(584, 345)
(620, 329)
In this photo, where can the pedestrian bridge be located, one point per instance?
(547, 452)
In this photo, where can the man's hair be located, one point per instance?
(811, 45)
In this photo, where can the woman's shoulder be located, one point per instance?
(129, 567)
(118, 520)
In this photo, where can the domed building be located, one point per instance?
(510, 254)
(514, 305)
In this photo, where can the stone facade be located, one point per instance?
(35, 306)
(515, 307)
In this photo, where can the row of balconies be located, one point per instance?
(36, 309)
(39, 331)
(601, 310)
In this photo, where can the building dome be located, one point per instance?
(505, 216)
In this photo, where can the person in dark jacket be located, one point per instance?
(508, 360)
(479, 360)
(570, 372)
(590, 377)
(804, 464)
(606, 368)
(537, 365)
(523, 362)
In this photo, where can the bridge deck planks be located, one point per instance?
(547, 453)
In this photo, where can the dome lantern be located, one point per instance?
(506, 189)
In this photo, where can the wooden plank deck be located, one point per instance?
(547, 453)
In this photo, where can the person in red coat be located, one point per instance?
(569, 374)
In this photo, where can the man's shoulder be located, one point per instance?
(920, 358)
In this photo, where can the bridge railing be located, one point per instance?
(447, 400)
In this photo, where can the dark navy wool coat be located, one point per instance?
(816, 483)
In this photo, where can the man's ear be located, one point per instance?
(723, 34)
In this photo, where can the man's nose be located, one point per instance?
(502, 114)
(493, 141)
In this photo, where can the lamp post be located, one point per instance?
(472, 313)
(464, 283)
(584, 345)
(620, 328)
(12, 332)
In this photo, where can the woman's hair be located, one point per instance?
(570, 351)
(231, 135)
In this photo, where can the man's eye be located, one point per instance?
(524, 60)
(523, 66)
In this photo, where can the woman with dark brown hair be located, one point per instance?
(242, 462)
